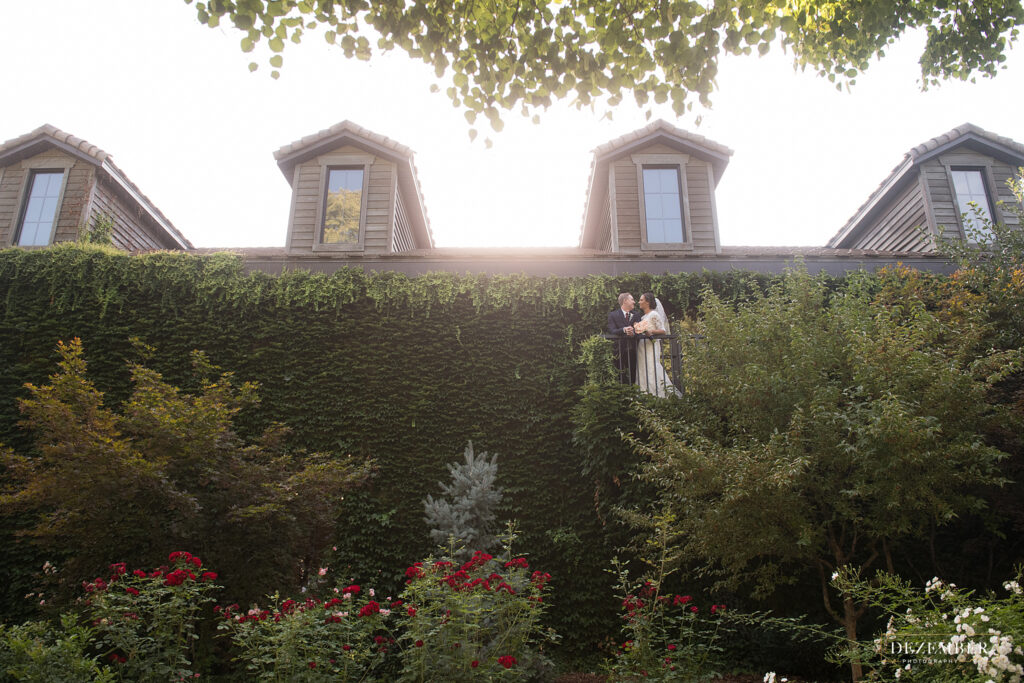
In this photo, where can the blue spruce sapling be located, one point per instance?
(467, 510)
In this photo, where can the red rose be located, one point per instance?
(139, 573)
(208, 576)
(419, 643)
(197, 562)
(474, 664)
(671, 648)
(131, 591)
(411, 611)
(507, 661)
(175, 578)
(369, 608)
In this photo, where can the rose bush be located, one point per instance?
(478, 619)
(345, 637)
(146, 621)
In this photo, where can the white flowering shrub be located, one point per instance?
(942, 633)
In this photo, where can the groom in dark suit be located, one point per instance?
(620, 322)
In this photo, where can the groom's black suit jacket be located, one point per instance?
(625, 348)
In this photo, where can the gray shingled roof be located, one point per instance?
(660, 126)
(911, 158)
(47, 130)
(337, 129)
(104, 161)
(959, 132)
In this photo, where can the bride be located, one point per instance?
(650, 373)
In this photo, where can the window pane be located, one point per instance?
(343, 202)
(662, 205)
(970, 188)
(40, 209)
(673, 231)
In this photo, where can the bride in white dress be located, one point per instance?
(650, 373)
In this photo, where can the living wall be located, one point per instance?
(402, 370)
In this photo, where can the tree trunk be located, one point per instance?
(850, 615)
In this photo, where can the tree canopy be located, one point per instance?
(504, 54)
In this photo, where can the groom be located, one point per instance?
(620, 322)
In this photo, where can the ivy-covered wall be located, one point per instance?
(403, 370)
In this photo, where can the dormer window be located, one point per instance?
(39, 210)
(341, 214)
(664, 203)
(969, 187)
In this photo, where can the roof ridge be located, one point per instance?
(343, 126)
(54, 133)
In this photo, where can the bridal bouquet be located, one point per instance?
(641, 326)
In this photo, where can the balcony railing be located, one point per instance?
(630, 364)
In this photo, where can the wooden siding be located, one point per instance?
(308, 198)
(77, 187)
(11, 179)
(604, 233)
(940, 193)
(133, 229)
(403, 233)
(627, 205)
(378, 207)
(896, 229)
(700, 231)
(1003, 173)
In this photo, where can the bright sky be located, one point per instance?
(175, 105)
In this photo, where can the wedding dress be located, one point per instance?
(650, 373)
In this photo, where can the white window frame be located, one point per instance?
(364, 161)
(678, 161)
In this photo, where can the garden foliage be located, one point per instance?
(168, 469)
(401, 370)
(821, 430)
(824, 424)
(40, 651)
(480, 619)
(146, 622)
(940, 633)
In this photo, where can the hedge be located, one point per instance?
(401, 369)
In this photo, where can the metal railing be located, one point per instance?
(636, 365)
